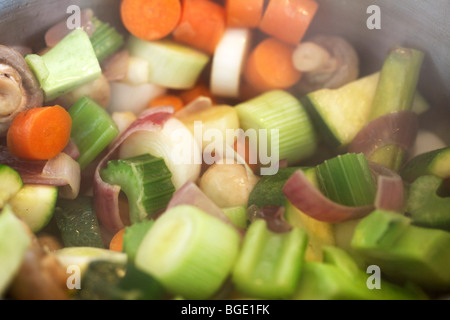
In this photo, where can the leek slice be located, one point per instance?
(189, 251)
(171, 65)
(228, 62)
(279, 111)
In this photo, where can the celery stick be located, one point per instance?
(269, 263)
(92, 129)
(105, 40)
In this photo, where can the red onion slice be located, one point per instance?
(396, 128)
(308, 199)
(62, 171)
(56, 33)
(273, 215)
(191, 194)
(106, 196)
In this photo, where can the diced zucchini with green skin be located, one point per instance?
(93, 129)
(133, 237)
(403, 251)
(341, 113)
(339, 278)
(279, 110)
(10, 184)
(425, 207)
(67, 66)
(35, 205)
(145, 180)
(269, 264)
(105, 280)
(435, 163)
(189, 251)
(171, 65)
(14, 242)
(77, 223)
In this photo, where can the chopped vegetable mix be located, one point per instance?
(217, 149)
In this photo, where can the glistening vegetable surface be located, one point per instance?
(217, 150)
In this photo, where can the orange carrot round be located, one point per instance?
(150, 19)
(244, 13)
(40, 133)
(202, 25)
(167, 100)
(116, 243)
(270, 66)
(288, 20)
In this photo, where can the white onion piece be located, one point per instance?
(175, 144)
(138, 71)
(426, 141)
(126, 97)
(228, 62)
(123, 120)
(56, 33)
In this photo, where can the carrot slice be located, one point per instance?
(150, 19)
(244, 13)
(116, 243)
(288, 20)
(200, 90)
(40, 133)
(202, 25)
(270, 66)
(167, 100)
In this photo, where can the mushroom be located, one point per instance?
(19, 89)
(327, 62)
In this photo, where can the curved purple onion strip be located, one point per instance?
(273, 215)
(106, 196)
(396, 128)
(308, 199)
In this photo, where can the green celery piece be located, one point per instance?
(237, 215)
(133, 237)
(104, 280)
(339, 278)
(403, 251)
(92, 129)
(396, 91)
(77, 223)
(14, 242)
(105, 40)
(425, 207)
(269, 264)
(436, 162)
(67, 66)
(145, 180)
(347, 179)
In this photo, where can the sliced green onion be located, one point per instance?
(425, 207)
(189, 251)
(403, 251)
(347, 180)
(279, 111)
(269, 264)
(171, 65)
(67, 66)
(145, 180)
(93, 129)
(237, 215)
(105, 40)
(228, 62)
